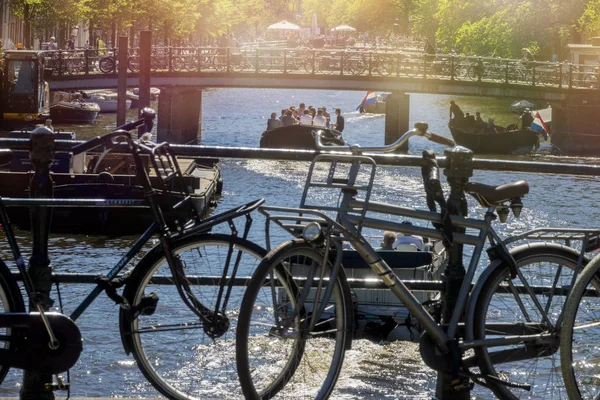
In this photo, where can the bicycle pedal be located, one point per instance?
(461, 384)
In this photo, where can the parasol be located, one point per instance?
(284, 26)
(343, 28)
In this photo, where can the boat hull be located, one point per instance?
(374, 108)
(520, 141)
(74, 112)
(298, 137)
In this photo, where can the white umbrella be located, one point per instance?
(284, 26)
(343, 28)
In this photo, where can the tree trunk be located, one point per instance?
(26, 27)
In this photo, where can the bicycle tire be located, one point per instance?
(540, 264)
(578, 342)
(133, 64)
(11, 300)
(106, 65)
(281, 362)
(168, 342)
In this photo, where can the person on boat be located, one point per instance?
(339, 123)
(490, 127)
(388, 242)
(327, 116)
(301, 108)
(306, 119)
(320, 119)
(288, 119)
(456, 114)
(282, 116)
(409, 239)
(478, 118)
(526, 119)
(273, 122)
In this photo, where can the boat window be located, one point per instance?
(21, 76)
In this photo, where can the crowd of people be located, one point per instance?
(469, 121)
(306, 116)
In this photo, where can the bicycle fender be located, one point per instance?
(516, 252)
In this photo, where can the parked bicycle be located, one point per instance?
(109, 63)
(178, 306)
(296, 320)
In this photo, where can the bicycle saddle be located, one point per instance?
(492, 196)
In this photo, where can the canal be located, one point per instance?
(237, 117)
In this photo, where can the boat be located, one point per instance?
(107, 176)
(154, 93)
(373, 103)
(107, 100)
(298, 136)
(75, 111)
(135, 99)
(509, 140)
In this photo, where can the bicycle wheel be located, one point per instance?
(106, 65)
(579, 335)
(133, 63)
(545, 266)
(11, 300)
(281, 351)
(180, 356)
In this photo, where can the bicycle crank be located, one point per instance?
(30, 344)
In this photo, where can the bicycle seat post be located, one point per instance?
(41, 153)
(458, 172)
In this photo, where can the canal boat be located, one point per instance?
(509, 140)
(75, 111)
(107, 100)
(373, 103)
(106, 176)
(298, 136)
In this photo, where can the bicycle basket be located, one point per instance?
(335, 178)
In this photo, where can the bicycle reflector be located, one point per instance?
(311, 232)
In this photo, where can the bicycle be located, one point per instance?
(109, 63)
(178, 303)
(296, 320)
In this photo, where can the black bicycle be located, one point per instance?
(179, 303)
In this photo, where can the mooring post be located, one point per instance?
(122, 81)
(458, 172)
(145, 61)
(38, 386)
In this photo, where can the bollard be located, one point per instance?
(37, 386)
(458, 172)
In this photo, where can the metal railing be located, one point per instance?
(360, 62)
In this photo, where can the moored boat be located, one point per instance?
(76, 111)
(499, 140)
(106, 100)
(298, 137)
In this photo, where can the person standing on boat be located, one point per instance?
(456, 112)
(288, 119)
(273, 122)
(320, 120)
(327, 116)
(339, 123)
(526, 119)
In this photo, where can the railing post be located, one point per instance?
(342, 62)
(480, 67)
(370, 63)
(170, 55)
(313, 61)
(398, 63)
(37, 386)
(284, 61)
(256, 70)
(424, 67)
(570, 75)
(560, 75)
(451, 67)
(228, 59)
(60, 63)
(506, 71)
(86, 56)
(200, 56)
(533, 75)
(461, 169)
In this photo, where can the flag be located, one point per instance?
(539, 125)
(369, 98)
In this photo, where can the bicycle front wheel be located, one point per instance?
(504, 308)
(579, 350)
(180, 355)
(11, 300)
(292, 336)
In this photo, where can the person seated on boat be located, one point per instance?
(479, 122)
(456, 114)
(470, 120)
(273, 122)
(526, 119)
(490, 127)
(388, 242)
(306, 119)
(282, 116)
(320, 120)
(409, 239)
(288, 119)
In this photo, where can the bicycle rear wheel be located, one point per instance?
(546, 267)
(11, 300)
(182, 357)
(579, 350)
(106, 65)
(281, 351)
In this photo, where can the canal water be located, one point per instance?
(237, 117)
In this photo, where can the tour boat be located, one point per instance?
(509, 140)
(75, 111)
(298, 136)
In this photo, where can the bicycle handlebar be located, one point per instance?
(147, 116)
(420, 129)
